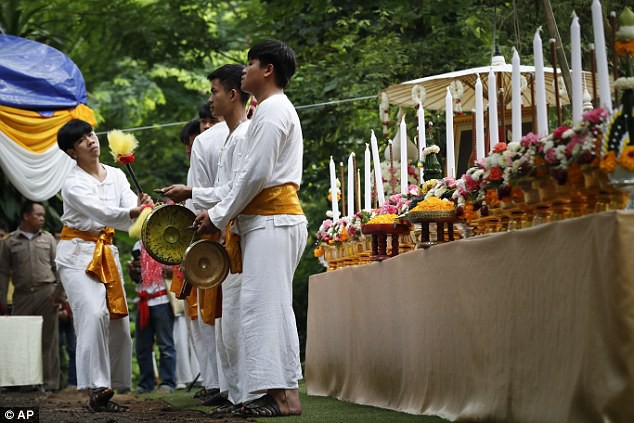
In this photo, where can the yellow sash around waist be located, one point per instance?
(103, 267)
(280, 199)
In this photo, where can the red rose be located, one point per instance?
(500, 147)
(125, 159)
(495, 174)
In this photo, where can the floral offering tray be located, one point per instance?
(416, 216)
(385, 228)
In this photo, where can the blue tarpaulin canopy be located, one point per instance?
(35, 76)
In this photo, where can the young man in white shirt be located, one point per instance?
(264, 205)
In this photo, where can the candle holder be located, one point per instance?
(380, 233)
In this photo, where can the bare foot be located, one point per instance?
(287, 400)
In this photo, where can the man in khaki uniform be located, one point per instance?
(27, 257)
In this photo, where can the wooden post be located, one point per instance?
(615, 58)
(553, 58)
(593, 71)
(534, 109)
(559, 48)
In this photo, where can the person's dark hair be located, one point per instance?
(71, 132)
(278, 54)
(205, 111)
(27, 207)
(191, 128)
(230, 77)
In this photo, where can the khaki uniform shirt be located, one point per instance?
(28, 262)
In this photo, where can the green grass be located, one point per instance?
(315, 410)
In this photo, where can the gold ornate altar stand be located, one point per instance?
(533, 325)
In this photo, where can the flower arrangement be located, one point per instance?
(393, 176)
(434, 203)
(618, 145)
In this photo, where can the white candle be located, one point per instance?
(493, 110)
(378, 175)
(601, 56)
(575, 54)
(333, 191)
(422, 140)
(540, 86)
(350, 184)
(403, 133)
(479, 116)
(451, 160)
(517, 98)
(367, 190)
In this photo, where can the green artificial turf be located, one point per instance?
(314, 410)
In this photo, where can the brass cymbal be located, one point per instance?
(167, 232)
(206, 264)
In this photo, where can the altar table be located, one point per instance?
(20, 350)
(534, 325)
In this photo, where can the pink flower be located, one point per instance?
(470, 184)
(529, 140)
(595, 115)
(551, 156)
(560, 131)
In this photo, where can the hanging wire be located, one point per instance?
(307, 106)
(516, 30)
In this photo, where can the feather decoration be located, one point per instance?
(122, 146)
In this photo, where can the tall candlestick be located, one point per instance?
(479, 119)
(351, 184)
(357, 184)
(577, 71)
(367, 191)
(553, 59)
(391, 177)
(451, 158)
(602, 58)
(357, 187)
(422, 140)
(343, 193)
(517, 98)
(333, 191)
(403, 134)
(493, 110)
(540, 86)
(378, 175)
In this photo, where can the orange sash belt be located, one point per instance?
(103, 267)
(280, 199)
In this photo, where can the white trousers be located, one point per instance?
(204, 338)
(103, 356)
(230, 343)
(186, 362)
(270, 256)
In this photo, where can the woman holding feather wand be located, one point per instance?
(97, 200)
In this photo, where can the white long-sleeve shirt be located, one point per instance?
(205, 157)
(230, 162)
(275, 150)
(90, 205)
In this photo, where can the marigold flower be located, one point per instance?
(624, 48)
(608, 162)
(434, 203)
(627, 157)
(382, 219)
(318, 252)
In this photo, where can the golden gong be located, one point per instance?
(167, 233)
(206, 264)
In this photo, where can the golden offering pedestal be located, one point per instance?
(380, 233)
(443, 221)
